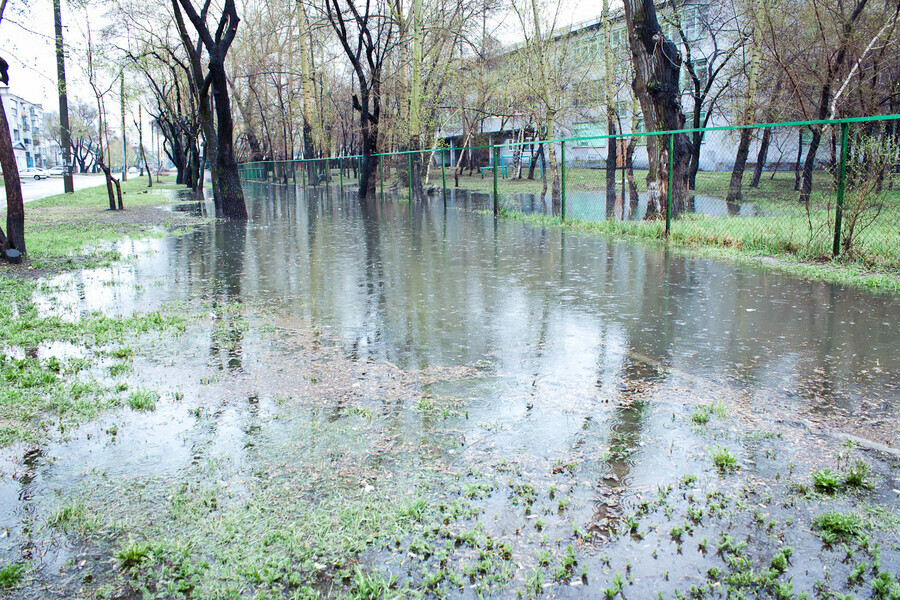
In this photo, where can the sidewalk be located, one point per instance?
(35, 190)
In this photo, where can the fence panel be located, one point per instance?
(815, 190)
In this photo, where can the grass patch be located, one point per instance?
(11, 575)
(835, 526)
(780, 229)
(142, 400)
(74, 230)
(37, 392)
(724, 460)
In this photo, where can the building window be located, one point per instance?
(693, 22)
(15, 135)
(589, 130)
(701, 70)
(618, 38)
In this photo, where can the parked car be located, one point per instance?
(56, 171)
(34, 172)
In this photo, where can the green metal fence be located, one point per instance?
(852, 208)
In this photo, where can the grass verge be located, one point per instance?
(74, 230)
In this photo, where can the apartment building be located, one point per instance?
(31, 144)
(576, 55)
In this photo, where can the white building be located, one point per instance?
(31, 144)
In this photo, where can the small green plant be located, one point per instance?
(826, 480)
(724, 460)
(534, 583)
(616, 584)
(780, 560)
(856, 575)
(143, 400)
(374, 586)
(700, 416)
(857, 475)
(833, 526)
(885, 587)
(133, 555)
(11, 574)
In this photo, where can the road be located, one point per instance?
(35, 190)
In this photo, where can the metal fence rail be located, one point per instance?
(852, 209)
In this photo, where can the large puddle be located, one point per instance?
(562, 394)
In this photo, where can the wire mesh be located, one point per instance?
(815, 190)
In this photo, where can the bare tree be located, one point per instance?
(230, 204)
(657, 67)
(366, 35)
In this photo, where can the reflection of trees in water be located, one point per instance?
(649, 340)
(226, 339)
(375, 303)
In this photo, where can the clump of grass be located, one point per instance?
(11, 574)
(857, 475)
(780, 560)
(826, 480)
(133, 555)
(616, 585)
(885, 587)
(534, 583)
(724, 460)
(143, 400)
(700, 416)
(834, 526)
(703, 413)
(374, 586)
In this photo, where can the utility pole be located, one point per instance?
(68, 185)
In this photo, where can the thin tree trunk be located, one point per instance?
(761, 157)
(15, 207)
(633, 197)
(825, 100)
(737, 173)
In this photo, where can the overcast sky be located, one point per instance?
(27, 43)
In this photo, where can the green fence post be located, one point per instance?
(671, 184)
(444, 179)
(842, 183)
(562, 207)
(409, 174)
(381, 169)
(496, 154)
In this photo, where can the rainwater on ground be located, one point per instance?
(378, 399)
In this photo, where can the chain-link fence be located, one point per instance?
(816, 189)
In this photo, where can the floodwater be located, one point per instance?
(508, 353)
(591, 206)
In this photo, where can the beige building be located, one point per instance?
(31, 143)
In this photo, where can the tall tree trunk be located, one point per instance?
(799, 159)
(633, 196)
(825, 100)
(228, 178)
(657, 67)
(737, 173)
(15, 207)
(761, 157)
(611, 113)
